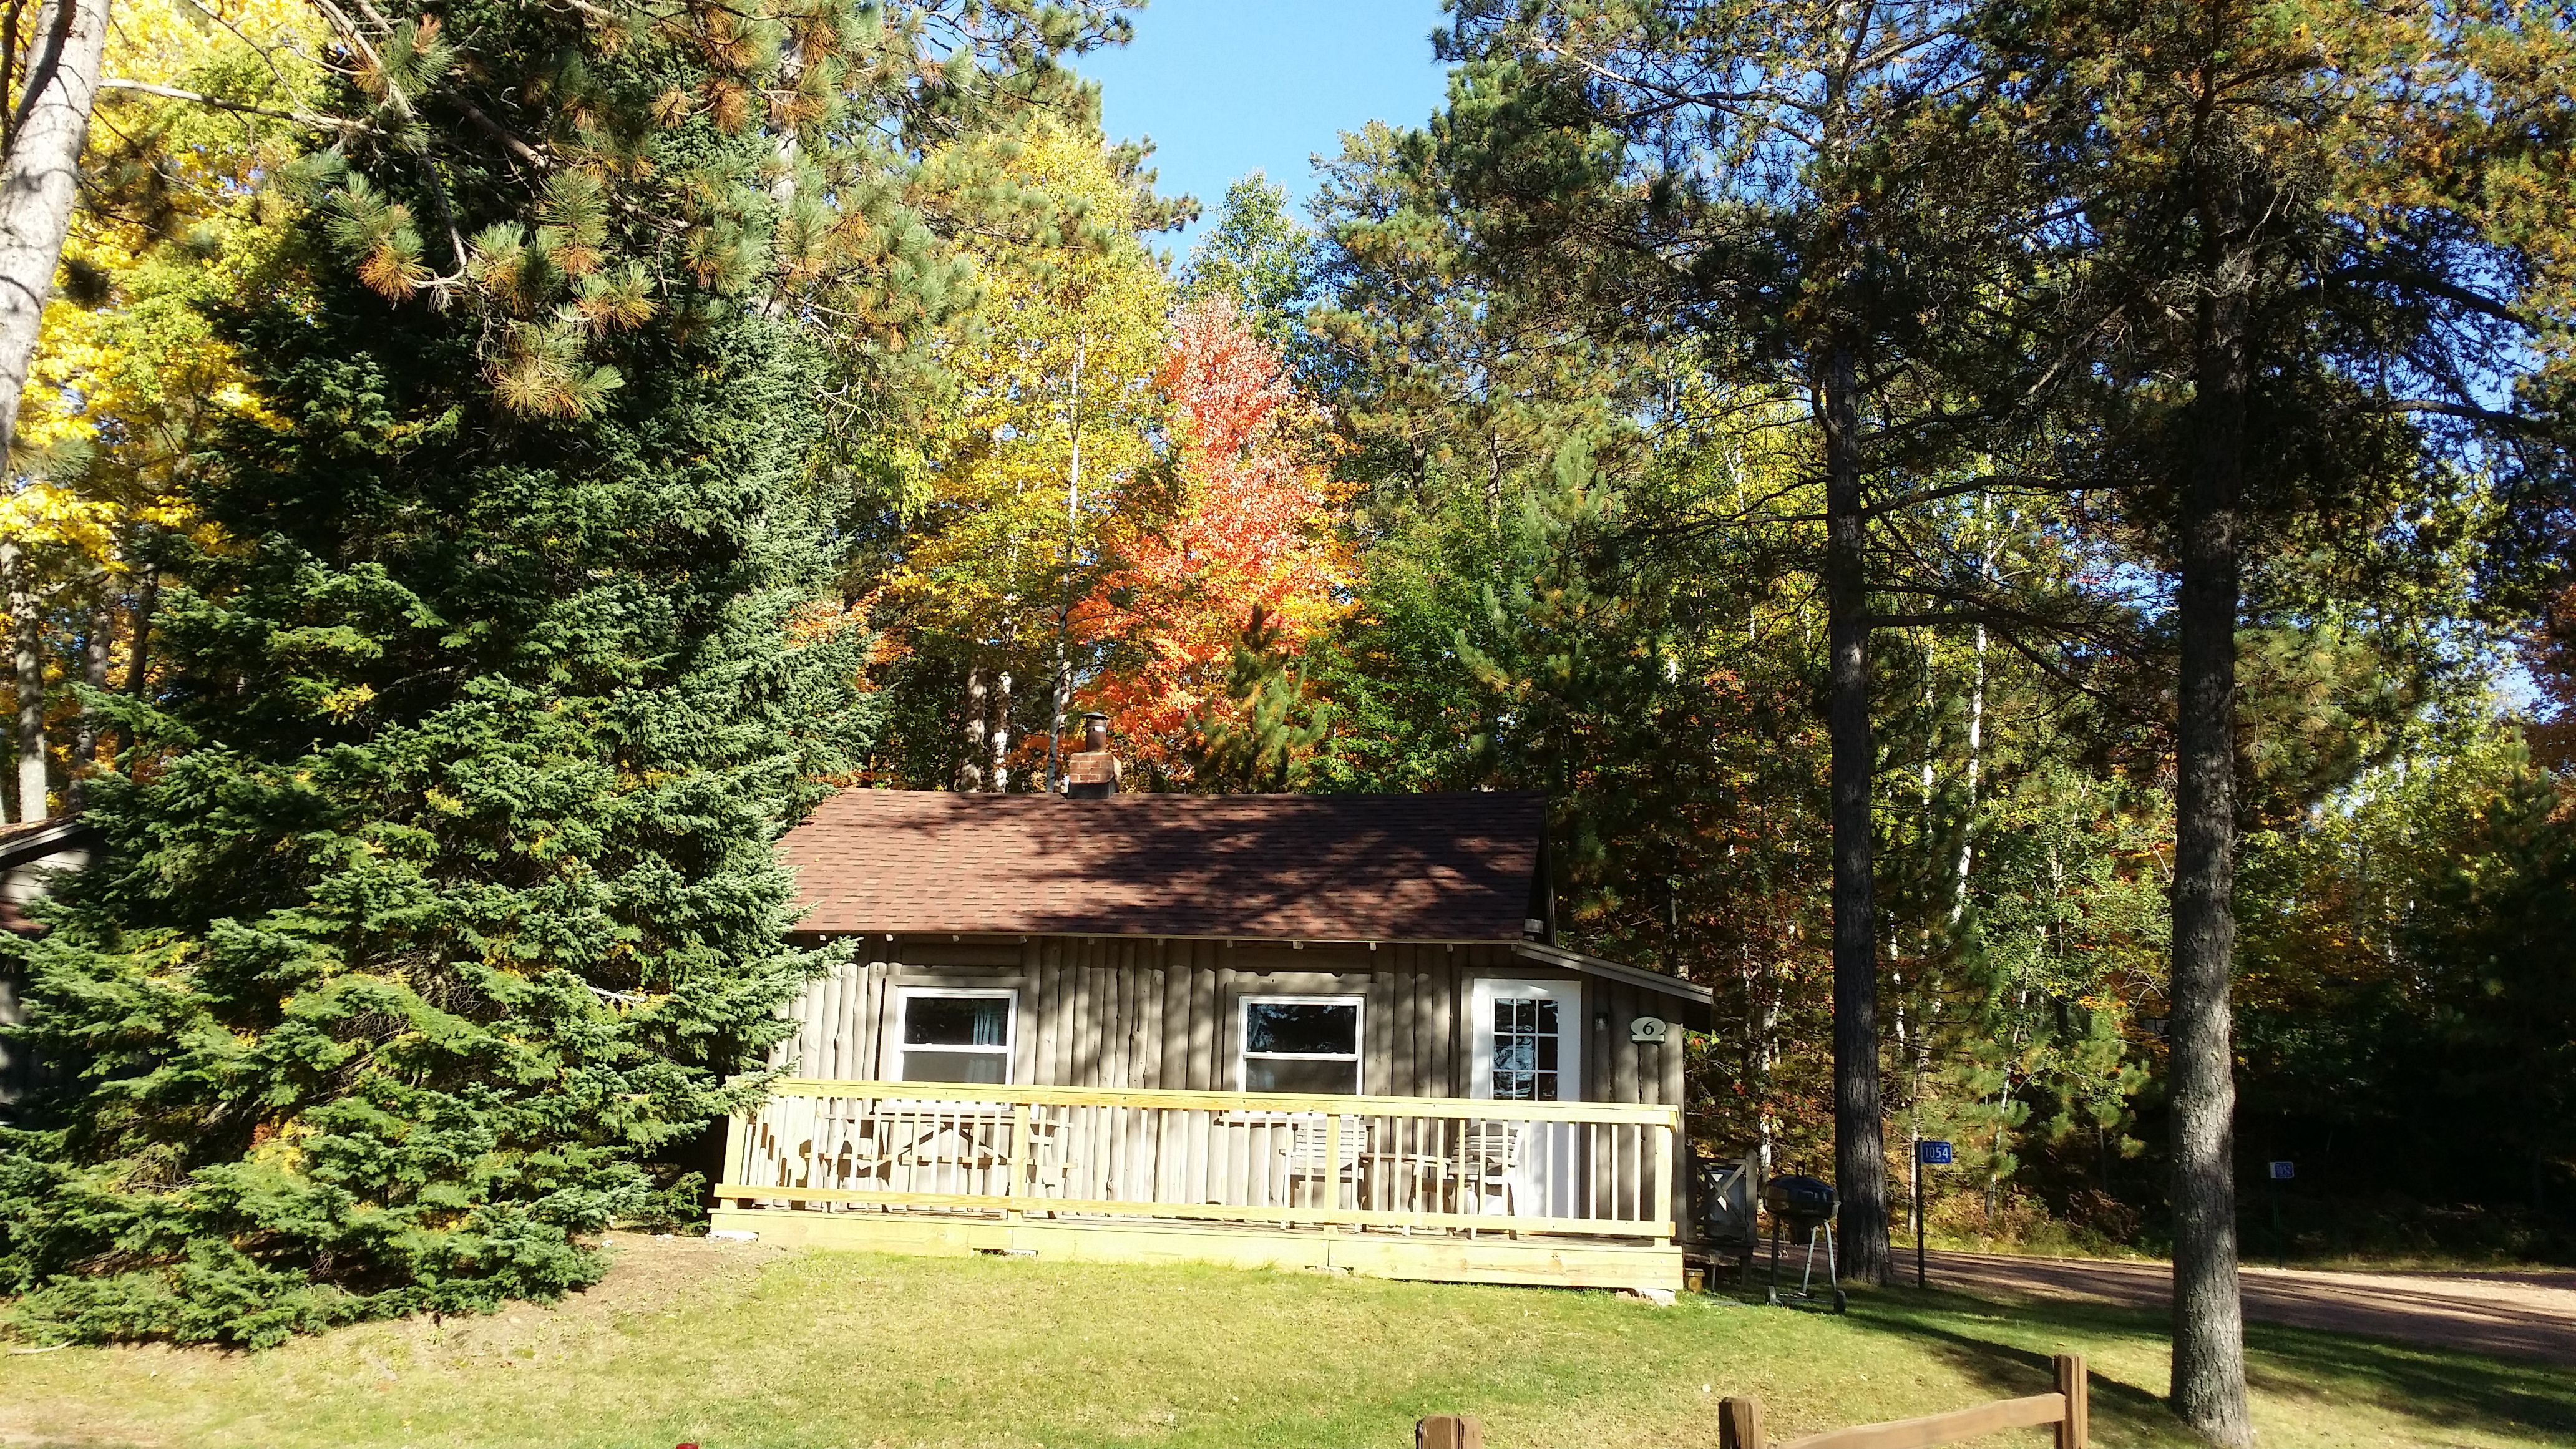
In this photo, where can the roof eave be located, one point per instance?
(1699, 1003)
(1230, 937)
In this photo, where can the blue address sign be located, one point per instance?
(1933, 1154)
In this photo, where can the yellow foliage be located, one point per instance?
(128, 372)
(1070, 333)
(123, 384)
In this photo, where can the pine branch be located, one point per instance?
(244, 108)
(498, 132)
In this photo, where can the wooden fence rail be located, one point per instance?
(2068, 1411)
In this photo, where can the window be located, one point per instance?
(1525, 1050)
(957, 1036)
(1301, 1044)
(1526, 1046)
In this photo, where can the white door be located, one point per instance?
(1529, 1047)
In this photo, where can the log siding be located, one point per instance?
(1147, 1013)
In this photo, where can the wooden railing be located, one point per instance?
(1410, 1163)
(2068, 1411)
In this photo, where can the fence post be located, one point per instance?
(1449, 1431)
(2076, 1428)
(1739, 1424)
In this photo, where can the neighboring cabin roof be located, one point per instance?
(33, 844)
(34, 840)
(1455, 866)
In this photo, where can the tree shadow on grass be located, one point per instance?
(2440, 1386)
(2452, 1388)
(1965, 1333)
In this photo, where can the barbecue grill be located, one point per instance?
(1804, 1205)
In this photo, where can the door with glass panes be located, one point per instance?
(1528, 1047)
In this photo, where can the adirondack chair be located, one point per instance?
(1730, 1209)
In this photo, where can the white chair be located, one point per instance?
(1492, 1153)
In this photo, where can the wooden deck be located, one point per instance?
(1575, 1194)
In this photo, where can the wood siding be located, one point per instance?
(18, 1074)
(1164, 1013)
(21, 885)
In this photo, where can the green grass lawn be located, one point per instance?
(735, 1346)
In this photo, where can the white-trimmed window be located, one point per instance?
(1526, 1045)
(1301, 1043)
(950, 1035)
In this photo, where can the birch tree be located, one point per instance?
(1055, 408)
(49, 94)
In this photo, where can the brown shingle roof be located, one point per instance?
(1442, 867)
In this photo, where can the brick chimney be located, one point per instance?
(1092, 772)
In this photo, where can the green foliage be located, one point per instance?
(2409, 1018)
(447, 905)
(1257, 257)
(1263, 744)
(440, 911)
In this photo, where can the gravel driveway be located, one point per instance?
(2526, 1315)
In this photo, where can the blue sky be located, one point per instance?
(1225, 87)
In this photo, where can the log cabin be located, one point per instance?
(1324, 1031)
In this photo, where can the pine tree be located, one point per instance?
(439, 905)
(2310, 288)
(1756, 176)
(1265, 736)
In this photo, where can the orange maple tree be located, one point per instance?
(1251, 528)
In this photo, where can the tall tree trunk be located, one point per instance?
(138, 644)
(39, 180)
(998, 738)
(1860, 1150)
(28, 635)
(84, 760)
(2208, 1329)
(1064, 609)
(1976, 734)
(970, 775)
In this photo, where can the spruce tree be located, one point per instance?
(438, 905)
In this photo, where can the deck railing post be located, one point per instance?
(735, 1168)
(1663, 1204)
(2075, 1428)
(1024, 1165)
(1333, 1161)
(1739, 1424)
(1449, 1431)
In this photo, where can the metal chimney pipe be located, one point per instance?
(1095, 731)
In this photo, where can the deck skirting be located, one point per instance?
(1441, 1257)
